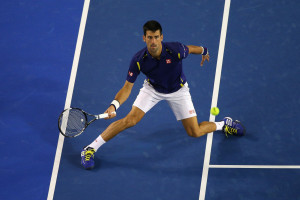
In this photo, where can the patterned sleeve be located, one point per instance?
(183, 51)
(133, 71)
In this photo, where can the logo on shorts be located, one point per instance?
(168, 61)
(192, 111)
(130, 73)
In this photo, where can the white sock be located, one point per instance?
(219, 125)
(97, 143)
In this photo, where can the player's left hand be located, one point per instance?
(204, 58)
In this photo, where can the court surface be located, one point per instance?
(255, 56)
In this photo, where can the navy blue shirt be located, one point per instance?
(165, 74)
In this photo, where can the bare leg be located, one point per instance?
(196, 130)
(133, 117)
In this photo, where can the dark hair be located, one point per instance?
(152, 25)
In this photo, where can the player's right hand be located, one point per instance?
(111, 112)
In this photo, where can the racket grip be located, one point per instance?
(104, 115)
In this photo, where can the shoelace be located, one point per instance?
(88, 155)
(230, 130)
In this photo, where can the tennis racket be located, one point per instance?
(73, 121)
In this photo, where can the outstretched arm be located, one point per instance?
(121, 97)
(199, 50)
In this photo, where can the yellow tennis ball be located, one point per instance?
(214, 111)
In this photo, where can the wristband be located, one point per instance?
(205, 51)
(115, 103)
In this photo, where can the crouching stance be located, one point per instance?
(161, 62)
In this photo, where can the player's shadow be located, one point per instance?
(166, 151)
(233, 149)
(157, 151)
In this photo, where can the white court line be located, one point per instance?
(256, 166)
(69, 97)
(214, 99)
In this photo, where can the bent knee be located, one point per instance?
(195, 132)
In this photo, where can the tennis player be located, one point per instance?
(161, 62)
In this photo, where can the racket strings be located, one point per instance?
(72, 122)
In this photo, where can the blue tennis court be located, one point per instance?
(42, 43)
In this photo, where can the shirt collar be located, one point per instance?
(163, 51)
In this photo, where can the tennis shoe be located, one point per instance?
(233, 127)
(87, 158)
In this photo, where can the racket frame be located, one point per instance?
(95, 117)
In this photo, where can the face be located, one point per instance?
(153, 41)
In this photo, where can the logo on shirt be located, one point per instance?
(168, 61)
(130, 73)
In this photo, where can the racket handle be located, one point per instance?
(104, 115)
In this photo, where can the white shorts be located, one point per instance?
(179, 101)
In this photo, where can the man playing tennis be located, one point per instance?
(161, 62)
